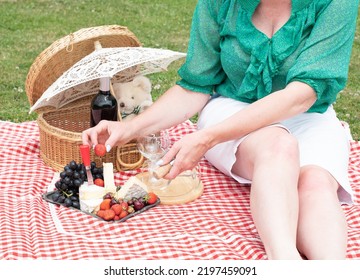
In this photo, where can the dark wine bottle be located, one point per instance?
(103, 105)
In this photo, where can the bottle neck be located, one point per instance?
(105, 84)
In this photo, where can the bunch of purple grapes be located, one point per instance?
(71, 178)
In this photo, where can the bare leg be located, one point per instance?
(322, 231)
(270, 158)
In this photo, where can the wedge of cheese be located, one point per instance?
(90, 197)
(109, 182)
(90, 205)
(133, 187)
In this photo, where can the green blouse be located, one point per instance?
(228, 55)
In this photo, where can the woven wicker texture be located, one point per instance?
(60, 136)
(60, 130)
(65, 52)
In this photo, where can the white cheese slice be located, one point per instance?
(89, 205)
(109, 182)
(90, 197)
(132, 182)
(91, 192)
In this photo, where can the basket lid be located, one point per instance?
(65, 52)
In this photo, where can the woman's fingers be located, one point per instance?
(96, 134)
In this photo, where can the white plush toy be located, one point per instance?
(133, 97)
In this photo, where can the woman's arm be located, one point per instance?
(173, 107)
(296, 98)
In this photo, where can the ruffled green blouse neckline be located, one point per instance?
(297, 5)
(241, 62)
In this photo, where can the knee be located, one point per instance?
(316, 180)
(270, 147)
(282, 146)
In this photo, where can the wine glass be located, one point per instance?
(154, 147)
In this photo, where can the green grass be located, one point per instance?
(28, 27)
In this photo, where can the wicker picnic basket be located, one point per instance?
(60, 129)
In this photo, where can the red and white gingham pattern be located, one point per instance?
(216, 226)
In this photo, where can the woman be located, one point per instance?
(263, 75)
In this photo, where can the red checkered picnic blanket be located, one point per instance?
(218, 225)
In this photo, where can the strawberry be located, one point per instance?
(105, 204)
(100, 150)
(117, 209)
(99, 182)
(151, 198)
(124, 205)
(109, 215)
(100, 213)
(123, 214)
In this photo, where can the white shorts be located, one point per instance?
(322, 139)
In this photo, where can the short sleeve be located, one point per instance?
(324, 61)
(202, 69)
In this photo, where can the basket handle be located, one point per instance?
(128, 166)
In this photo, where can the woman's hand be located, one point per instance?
(109, 133)
(187, 152)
